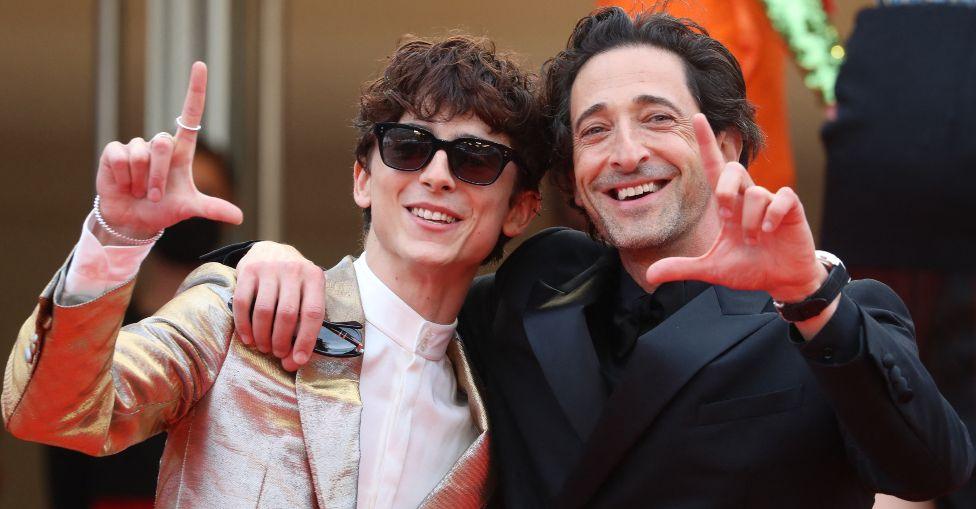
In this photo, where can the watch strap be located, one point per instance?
(837, 279)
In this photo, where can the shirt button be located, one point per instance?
(28, 354)
(828, 353)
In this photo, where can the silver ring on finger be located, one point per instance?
(179, 122)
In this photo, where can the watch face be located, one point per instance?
(828, 258)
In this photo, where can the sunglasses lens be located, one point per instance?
(405, 149)
(329, 343)
(476, 162)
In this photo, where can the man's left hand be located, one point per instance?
(765, 242)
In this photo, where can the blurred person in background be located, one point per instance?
(127, 480)
(901, 179)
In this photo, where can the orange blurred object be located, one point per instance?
(742, 26)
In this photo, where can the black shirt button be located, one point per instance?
(828, 353)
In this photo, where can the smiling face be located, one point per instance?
(636, 167)
(428, 219)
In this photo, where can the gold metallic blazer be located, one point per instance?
(243, 432)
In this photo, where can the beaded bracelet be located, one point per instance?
(106, 227)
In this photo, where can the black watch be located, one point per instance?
(837, 279)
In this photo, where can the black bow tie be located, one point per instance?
(633, 318)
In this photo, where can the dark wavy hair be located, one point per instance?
(714, 78)
(458, 75)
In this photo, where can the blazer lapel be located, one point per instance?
(663, 361)
(556, 328)
(468, 483)
(329, 403)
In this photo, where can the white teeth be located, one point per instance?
(430, 215)
(649, 187)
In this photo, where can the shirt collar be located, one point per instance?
(397, 320)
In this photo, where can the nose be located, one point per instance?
(437, 175)
(628, 152)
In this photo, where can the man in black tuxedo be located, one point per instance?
(704, 355)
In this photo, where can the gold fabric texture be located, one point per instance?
(242, 431)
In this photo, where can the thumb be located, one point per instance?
(219, 210)
(676, 269)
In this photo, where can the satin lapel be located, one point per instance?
(329, 403)
(555, 325)
(468, 483)
(663, 361)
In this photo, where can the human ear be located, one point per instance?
(361, 185)
(730, 144)
(525, 206)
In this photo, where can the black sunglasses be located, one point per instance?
(335, 339)
(410, 148)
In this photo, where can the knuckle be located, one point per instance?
(162, 144)
(313, 312)
(263, 310)
(756, 192)
(286, 312)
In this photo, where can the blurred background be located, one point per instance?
(284, 83)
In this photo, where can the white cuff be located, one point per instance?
(95, 268)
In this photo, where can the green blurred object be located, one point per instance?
(812, 39)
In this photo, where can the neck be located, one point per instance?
(435, 292)
(696, 242)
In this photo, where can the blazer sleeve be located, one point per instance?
(76, 380)
(902, 436)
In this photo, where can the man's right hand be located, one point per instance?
(145, 186)
(278, 292)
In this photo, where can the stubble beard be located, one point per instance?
(656, 229)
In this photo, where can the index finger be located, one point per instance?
(712, 159)
(192, 114)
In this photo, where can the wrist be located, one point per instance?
(121, 234)
(797, 293)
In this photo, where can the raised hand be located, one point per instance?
(765, 242)
(279, 296)
(145, 186)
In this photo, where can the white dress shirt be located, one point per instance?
(413, 427)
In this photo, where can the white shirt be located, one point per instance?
(413, 427)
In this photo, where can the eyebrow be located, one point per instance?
(592, 110)
(643, 99)
(646, 99)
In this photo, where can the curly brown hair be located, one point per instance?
(458, 75)
(713, 74)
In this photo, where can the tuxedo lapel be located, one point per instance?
(468, 483)
(663, 361)
(329, 403)
(556, 328)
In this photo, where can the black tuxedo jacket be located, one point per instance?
(719, 406)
